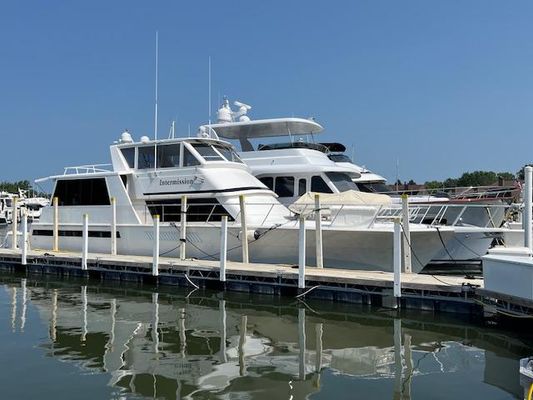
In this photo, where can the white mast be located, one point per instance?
(209, 79)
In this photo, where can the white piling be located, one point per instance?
(24, 238)
(244, 230)
(301, 253)
(318, 233)
(397, 257)
(14, 223)
(183, 228)
(407, 263)
(113, 226)
(56, 225)
(85, 242)
(223, 247)
(155, 263)
(528, 191)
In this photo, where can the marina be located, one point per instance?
(282, 200)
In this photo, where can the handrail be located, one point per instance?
(87, 169)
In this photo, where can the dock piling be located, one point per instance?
(155, 263)
(407, 266)
(24, 238)
(56, 224)
(244, 230)
(183, 228)
(113, 226)
(85, 242)
(223, 247)
(318, 233)
(397, 258)
(528, 223)
(301, 253)
(14, 223)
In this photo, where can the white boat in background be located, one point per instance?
(6, 207)
(33, 206)
(300, 165)
(150, 177)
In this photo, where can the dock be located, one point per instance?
(374, 288)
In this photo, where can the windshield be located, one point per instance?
(373, 187)
(341, 181)
(339, 158)
(228, 153)
(207, 152)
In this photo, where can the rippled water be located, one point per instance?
(65, 339)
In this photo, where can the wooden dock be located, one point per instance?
(425, 292)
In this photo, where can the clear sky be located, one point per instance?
(443, 86)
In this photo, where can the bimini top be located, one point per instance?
(261, 128)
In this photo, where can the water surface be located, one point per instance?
(64, 339)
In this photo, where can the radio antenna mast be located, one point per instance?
(156, 85)
(156, 80)
(209, 90)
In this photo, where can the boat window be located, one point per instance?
(342, 181)
(319, 185)
(82, 192)
(189, 160)
(198, 210)
(168, 156)
(268, 181)
(373, 187)
(129, 155)
(339, 158)
(302, 186)
(207, 152)
(228, 153)
(146, 157)
(284, 186)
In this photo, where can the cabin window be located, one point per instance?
(268, 181)
(129, 155)
(319, 185)
(207, 152)
(198, 210)
(302, 186)
(228, 153)
(146, 158)
(82, 192)
(342, 181)
(168, 156)
(189, 160)
(284, 186)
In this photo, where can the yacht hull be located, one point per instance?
(366, 249)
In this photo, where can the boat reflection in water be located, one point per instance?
(179, 344)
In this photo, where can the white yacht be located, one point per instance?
(300, 165)
(6, 207)
(33, 205)
(150, 177)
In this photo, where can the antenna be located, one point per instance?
(156, 80)
(156, 85)
(209, 79)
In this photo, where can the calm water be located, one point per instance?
(64, 339)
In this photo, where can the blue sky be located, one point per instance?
(443, 86)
